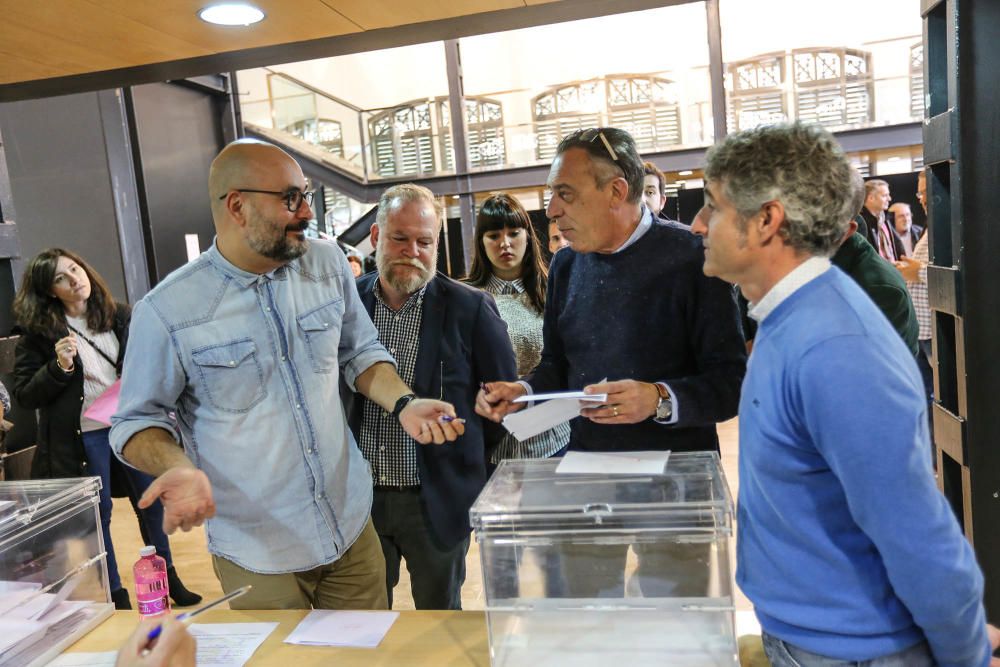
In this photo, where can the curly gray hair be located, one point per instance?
(800, 165)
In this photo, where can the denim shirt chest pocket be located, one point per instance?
(321, 329)
(231, 374)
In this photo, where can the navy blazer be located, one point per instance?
(463, 341)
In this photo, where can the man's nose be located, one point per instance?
(699, 226)
(550, 210)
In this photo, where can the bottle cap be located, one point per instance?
(147, 551)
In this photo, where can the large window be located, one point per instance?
(485, 136)
(846, 66)
(402, 140)
(645, 106)
(833, 87)
(917, 80)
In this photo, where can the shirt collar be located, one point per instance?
(497, 285)
(241, 277)
(805, 272)
(645, 224)
(411, 301)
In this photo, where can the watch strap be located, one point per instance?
(401, 404)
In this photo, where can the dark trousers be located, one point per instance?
(100, 461)
(436, 572)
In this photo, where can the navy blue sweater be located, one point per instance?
(646, 313)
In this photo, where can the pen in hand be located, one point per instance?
(187, 617)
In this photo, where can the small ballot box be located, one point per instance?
(53, 576)
(598, 569)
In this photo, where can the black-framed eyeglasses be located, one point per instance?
(595, 133)
(293, 198)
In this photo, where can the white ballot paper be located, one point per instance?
(86, 659)
(614, 463)
(558, 407)
(359, 629)
(228, 644)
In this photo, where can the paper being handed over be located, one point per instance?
(558, 407)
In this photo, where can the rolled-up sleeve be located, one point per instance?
(152, 380)
(359, 345)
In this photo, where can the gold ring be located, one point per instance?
(614, 410)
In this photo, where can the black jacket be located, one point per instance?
(39, 384)
(463, 341)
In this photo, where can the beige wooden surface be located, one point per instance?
(416, 639)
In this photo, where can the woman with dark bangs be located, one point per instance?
(508, 264)
(70, 352)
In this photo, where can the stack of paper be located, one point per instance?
(361, 629)
(558, 407)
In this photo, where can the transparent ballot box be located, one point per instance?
(53, 575)
(597, 569)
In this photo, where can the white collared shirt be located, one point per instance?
(645, 224)
(812, 268)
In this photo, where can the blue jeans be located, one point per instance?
(100, 461)
(783, 654)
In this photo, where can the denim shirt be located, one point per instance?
(250, 364)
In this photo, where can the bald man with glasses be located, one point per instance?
(247, 345)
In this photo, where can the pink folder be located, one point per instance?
(105, 405)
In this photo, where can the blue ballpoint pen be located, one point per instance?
(185, 618)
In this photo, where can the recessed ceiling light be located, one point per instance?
(232, 13)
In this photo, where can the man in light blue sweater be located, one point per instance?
(846, 548)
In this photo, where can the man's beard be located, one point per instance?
(412, 281)
(265, 239)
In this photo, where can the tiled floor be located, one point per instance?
(195, 567)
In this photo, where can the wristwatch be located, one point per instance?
(401, 403)
(664, 406)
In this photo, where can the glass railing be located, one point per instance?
(513, 129)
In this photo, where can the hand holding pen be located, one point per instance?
(150, 646)
(175, 646)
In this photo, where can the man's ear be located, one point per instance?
(235, 206)
(770, 220)
(619, 191)
(374, 235)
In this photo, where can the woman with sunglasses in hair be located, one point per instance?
(70, 352)
(508, 264)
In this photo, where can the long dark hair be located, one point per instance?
(38, 311)
(500, 211)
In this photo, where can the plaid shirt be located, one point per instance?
(390, 451)
(918, 289)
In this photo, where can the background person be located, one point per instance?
(71, 352)
(507, 263)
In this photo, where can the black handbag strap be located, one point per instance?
(114, 364)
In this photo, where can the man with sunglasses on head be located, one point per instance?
(246, 345)
(628, 302)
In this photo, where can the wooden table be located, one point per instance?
(417, 639)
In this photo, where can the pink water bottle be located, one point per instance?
(151, 588)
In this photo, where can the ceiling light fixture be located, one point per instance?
(231, 13)
(686, 172)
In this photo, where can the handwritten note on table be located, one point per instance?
(228, 644)
(359, 629)
(614, 463)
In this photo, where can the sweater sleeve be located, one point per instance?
(867, 416)
(711, 394)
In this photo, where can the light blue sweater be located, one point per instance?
(846, 547)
